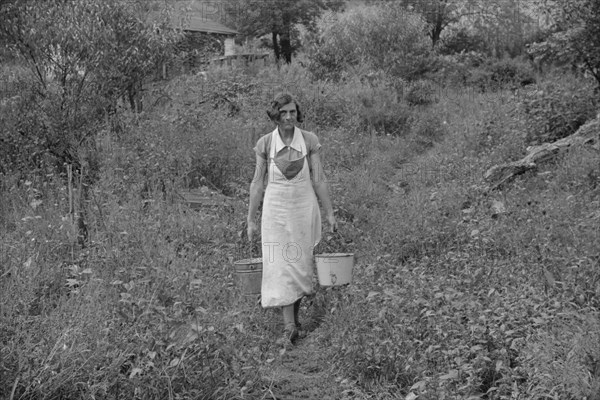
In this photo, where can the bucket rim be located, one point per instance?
(328, 255)
(247, 261)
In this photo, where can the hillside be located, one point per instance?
(458, 291)
(463, 163)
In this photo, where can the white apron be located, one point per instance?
(291, 227)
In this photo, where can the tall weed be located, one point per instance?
(556, 108)
(457, 292)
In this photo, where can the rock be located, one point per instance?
(497, 208)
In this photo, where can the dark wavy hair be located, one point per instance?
(279, 101)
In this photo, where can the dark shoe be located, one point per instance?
(290, 334)
(301, 332)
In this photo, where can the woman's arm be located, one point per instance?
(257, 188)
(322, 189)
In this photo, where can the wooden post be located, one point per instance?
(72, 229)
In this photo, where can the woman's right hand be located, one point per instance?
(252, 229)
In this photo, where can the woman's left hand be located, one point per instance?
(332, 222)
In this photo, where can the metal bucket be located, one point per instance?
(334, 269)
(249, 275)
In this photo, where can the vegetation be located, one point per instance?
(575, 35)
(382, 39)
(75, 60)
(458, 292)
(278, 19)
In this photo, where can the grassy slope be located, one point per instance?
(450, 300)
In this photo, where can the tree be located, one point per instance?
(497, 18)
(504, 25)
(439, 14)
(383, 38)
(277, 19)
(575, 35)
(81, 55)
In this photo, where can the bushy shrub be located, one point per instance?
(421, 93)
(462, 41)
(428, 125)
(447, 70)
(557, 108)
(470, 59)
(479, 79)
(577, 42)
(511, 71)
(564, 359)
(375, 109)
(385, 119)
(498, 74)
(384, 37)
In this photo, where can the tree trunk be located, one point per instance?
(435, 34)
(286, 47)
(498, 175)
(276, 46)
(134, 92)
(437, 26)
(285, 38)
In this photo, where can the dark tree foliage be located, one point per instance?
(76, 58)
(575, 35)
(278, 19)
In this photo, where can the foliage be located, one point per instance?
(376, 110)
(457, 292)
(568, 353)
(462, 41)
(428, 128)
(554, 110)
(495, 26)
(575, 38)
(511, 72)
(453, 300)
(81, 57)
(439, 14)
(505, 26)
(383, 38)
(279, 19)
(420, 93)
(498, 74)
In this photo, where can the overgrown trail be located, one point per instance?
(304, 371)
(301, 373)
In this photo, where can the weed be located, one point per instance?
(457, 292)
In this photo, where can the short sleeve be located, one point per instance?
(312, 143)
(261, 147)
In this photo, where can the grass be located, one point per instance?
(451, 299)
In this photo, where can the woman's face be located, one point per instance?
(288, 116)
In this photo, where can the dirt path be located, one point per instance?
(304, 371)
(301, 373)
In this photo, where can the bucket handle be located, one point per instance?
(335, 233)
(248, 246)
(330, 235)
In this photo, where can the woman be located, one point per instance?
(291, 220)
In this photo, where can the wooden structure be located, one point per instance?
(202, 25)
(203, 40)
(205, 198)
(241, 59)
